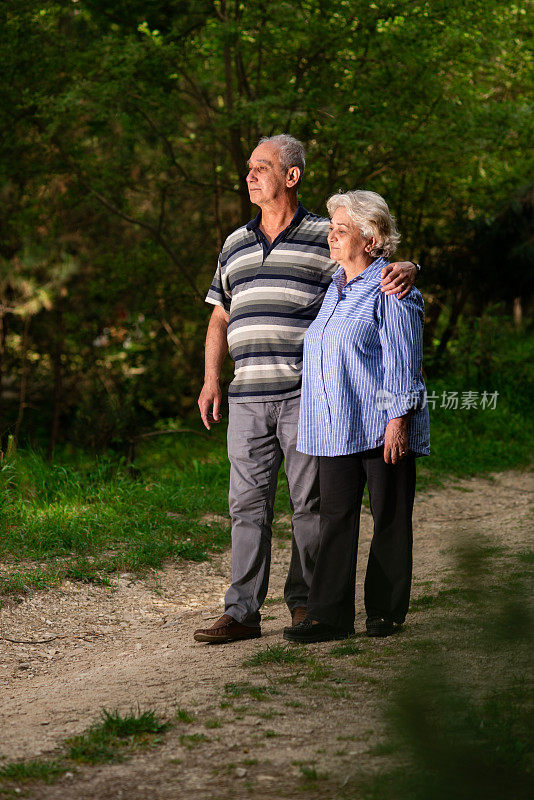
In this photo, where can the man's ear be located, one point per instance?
(292, 177)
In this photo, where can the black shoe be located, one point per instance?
(380, 626)
(307, 632)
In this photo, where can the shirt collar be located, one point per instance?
(367, 276)
(298, 216)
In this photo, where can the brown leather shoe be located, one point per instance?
(227, 629)
(298, 615)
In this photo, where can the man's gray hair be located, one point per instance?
(291, 152)
(370, 213)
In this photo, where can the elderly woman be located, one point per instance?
(363, 412)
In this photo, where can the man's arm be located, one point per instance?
(401, 337)
(209, 401)
(398, 278)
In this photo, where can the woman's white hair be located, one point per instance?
(370, 213)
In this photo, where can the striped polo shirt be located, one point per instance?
(272, 293)
(362, 368)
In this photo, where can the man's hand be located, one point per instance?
(398, 278)
(209, 403)
(396, 440)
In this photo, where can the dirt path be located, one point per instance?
(132, 645)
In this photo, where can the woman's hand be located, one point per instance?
(396, 440)
(398, 278)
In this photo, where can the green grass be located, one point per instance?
(275, 654)
(317, 672)
(471, 441)
(184, 716)
(382, 749)
(347, 648)
(36, 770)
(21, 582)
(108, 738)
(461, 714)
(213, 723)
(192, 740)
(111, 738)
(86, 518)
(244, 689)
(310, 774)
(267, 714)
(445, 598)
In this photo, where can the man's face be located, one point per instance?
(266, 180)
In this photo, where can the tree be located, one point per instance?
(127, 131)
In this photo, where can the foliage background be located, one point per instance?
(126, 127)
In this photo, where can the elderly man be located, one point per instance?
(270, 282)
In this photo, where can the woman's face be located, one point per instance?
(345, 239)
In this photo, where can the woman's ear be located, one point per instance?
(370, 244)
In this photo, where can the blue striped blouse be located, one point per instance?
(362, 367)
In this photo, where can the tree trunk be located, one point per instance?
(23, 378)
(217, 206)
(3, 332)
(58, 379)
(518, 313)
(432, 314)
(236, 147)
(450, 328)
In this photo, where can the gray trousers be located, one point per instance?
(260, 435)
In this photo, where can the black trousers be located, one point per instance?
(389, 569)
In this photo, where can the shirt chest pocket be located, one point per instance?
(366, 334)
(305, 288)
(358, 324)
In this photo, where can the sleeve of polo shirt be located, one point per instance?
(401, 337)
(219, 291)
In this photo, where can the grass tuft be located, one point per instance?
(310, 774)
(317, 671)
(107, 739)
(346, 648)
(275, 654)
(184, 716)
(243, 689)
(36, 770)
(273, 601)
(193, 739)
(445, 598)
(213, 723)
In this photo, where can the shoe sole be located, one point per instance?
(206, 637)
(324, 637)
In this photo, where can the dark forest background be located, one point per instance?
(125, 127)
